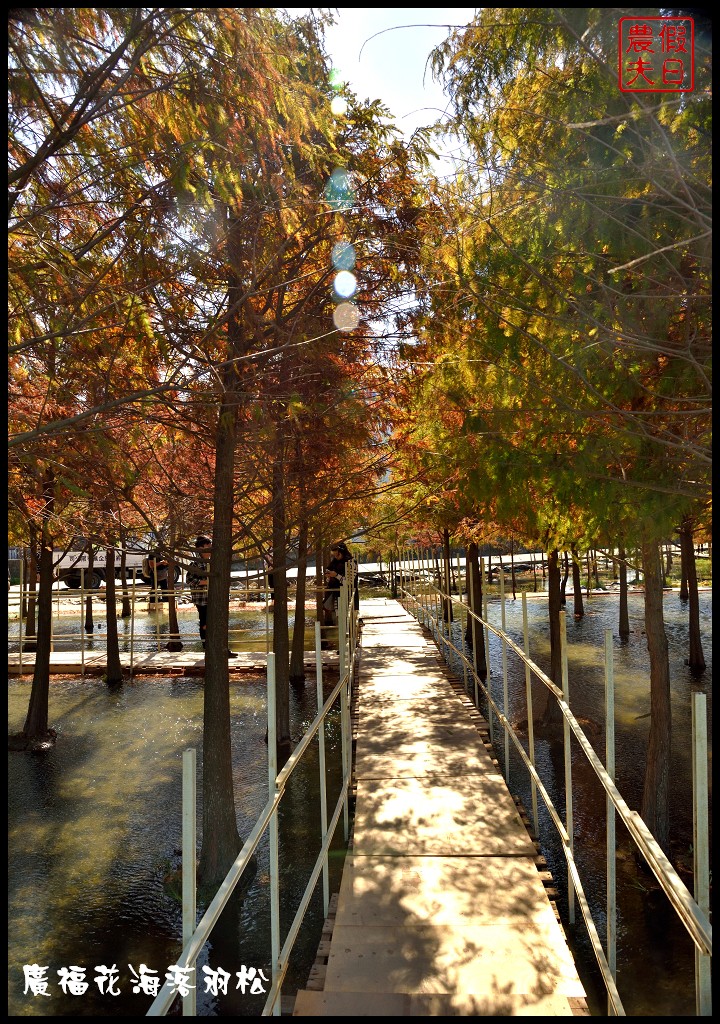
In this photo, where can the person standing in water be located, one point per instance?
(197, 577)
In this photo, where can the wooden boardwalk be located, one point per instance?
(442, 909)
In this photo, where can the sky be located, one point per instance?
(392, 66)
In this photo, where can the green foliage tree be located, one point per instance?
(570, 280)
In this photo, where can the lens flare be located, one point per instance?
(343, 256)
(346, 316)
(345, 284)
(339, 192)
(338, 107)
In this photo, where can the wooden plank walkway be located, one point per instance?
(442, 910)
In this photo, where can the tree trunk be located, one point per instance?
(36, 734)
(474, 634)
(552, 719)
(596, 572)
(655, 809)
(114, 668)
(281, 634)
(696, 658)
(220, 838)
(668, 559)
(623, 616)
(297, 657)
(578, 607)
(684, 591)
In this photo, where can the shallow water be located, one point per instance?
(95, 826)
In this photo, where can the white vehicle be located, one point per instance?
(68, 567)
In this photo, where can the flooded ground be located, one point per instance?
(95, 832)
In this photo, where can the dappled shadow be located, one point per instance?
(441, 902)
(479, 930)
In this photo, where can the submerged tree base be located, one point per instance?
(21, 741)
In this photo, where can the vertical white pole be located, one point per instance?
(701, 866)
(321, 759)
(463, 625)
(273, 830)
(345, 723)
(470, 575)
(342, 627)
(52, 628)
(82, 631)
(504, 672)
(529, 703)
(132, 624)
(189, 895)
(426, 593)
(267, 615)
(487, 646)
(57, 613)
(437, 611)
(157, 605)
(611, 934)
(568, 764)
(21, 596)
(414, 556)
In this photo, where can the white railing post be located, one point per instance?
(701, 841)
(487, 648)
(611, 872)
(267, 614)
(568, 765)
(504, 672)
(157, 605)
(273, 830)
(531, 723)
(52, 647)
(21, 598)
(428, 582)
(342, 627)
(189, 890)
(82, 631)
(321, 762)
(345, 724)
(132, 624)
(475, 627)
